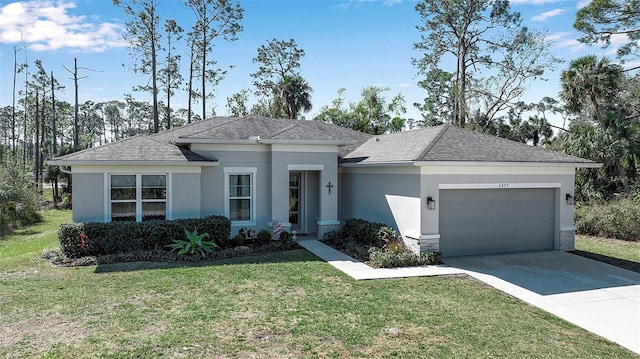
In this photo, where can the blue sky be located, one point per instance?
(350, 44)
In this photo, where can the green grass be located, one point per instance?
(284, 305)
(625, 254)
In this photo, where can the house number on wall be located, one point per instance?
(503, 185)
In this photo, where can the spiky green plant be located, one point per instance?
(194, 243)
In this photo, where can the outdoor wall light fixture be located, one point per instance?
(431, 203)
(570, 200)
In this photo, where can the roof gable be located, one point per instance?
(452, 144)
(242, 128)
(134, 149)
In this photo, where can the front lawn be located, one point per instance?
(284, 305)
(625, 254)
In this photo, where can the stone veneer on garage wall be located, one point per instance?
(567, 240)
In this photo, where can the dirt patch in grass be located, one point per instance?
(41, 333)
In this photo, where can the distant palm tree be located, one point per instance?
(535, 129)
(589, 83)
(295, 95)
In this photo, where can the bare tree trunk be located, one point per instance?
(190, 87)
(13, 100)
(204, 73)
(154, 81)
(76, 129)
(37, 144)
(40, 154)
(53, 117)
(54, 181)
(26, 108)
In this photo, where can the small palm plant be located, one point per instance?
(195, 243)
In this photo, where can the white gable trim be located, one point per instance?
(305, 167)
(406, 169)
(128, 169)
(131, 163)
(246, 147)
(496, 170)
(497, 185)
(505, 164)
(304, 148)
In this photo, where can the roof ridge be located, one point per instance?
(429, 147)
(161, 142)
(286, 128)
(212, 127)
(173, 129)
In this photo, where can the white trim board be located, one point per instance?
(497, 185)
(230, 147)
(304, 148)
(132, 163)
(496, 170)
(403, 170)
(506, 164)
(305, 167)
(136, 169)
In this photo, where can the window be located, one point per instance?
(138, 197)
(240, 195)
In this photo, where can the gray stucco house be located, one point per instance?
(442, 188)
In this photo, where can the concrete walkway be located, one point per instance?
(360, 271)
(598, 297)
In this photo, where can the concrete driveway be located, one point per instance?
(595, 296)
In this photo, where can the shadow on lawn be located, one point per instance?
(622, 263)
(289, 256)
(26, 232)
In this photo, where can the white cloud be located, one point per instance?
(572, 44)
(583, 3)
(566, 40)
(544, 16)
(557, 36)
(48, 26)
(356, 4)
(392, 2)
(631, 65)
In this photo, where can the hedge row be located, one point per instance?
(95, 239)
(56, 257)
(389, 259)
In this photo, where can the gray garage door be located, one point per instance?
(484, 221)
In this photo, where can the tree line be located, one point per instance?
(495, 59)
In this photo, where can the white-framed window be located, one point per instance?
(240, 195)
(138, 197)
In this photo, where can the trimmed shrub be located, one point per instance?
(618, 219)
(285, 237)
(264, 236)
(94, 239)
(388, 259)
(364, 232)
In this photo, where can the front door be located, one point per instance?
(296, 205)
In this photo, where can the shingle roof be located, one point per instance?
(448, 143)
(440, 143)
(161, 147)
(135, 149)
(242, 128)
